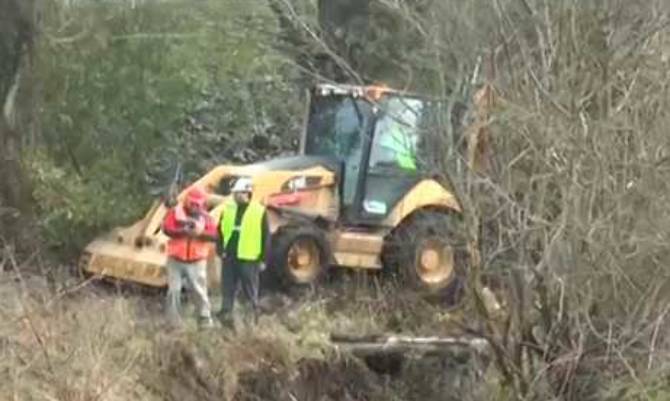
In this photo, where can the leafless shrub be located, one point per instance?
(574, 211)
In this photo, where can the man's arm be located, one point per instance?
(220, 250)
(209, 231)
(172, 228)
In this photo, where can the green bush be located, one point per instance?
(73, 208)
(128, 91)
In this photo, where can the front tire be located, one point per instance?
(299, 256)
(428, 253)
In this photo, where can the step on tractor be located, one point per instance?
(361, 193)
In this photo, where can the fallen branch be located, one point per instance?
(376, 344)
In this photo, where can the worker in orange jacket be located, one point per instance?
(191, 230)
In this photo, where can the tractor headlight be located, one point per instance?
(300, 183)
(297, 183)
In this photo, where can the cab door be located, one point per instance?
(338, 127)
(394, 166)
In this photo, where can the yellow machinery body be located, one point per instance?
(137, 253)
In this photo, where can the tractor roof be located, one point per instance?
(373, 92)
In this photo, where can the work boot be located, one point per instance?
(229, 325)
(250, 318)
(205, 323)
(226, 320)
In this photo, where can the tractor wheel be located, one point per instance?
(428, 252)
(299, 256)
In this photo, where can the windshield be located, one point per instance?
(336, 128)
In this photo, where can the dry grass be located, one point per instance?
(95, 344)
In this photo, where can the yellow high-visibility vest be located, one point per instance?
(404, 152)
(250, 229)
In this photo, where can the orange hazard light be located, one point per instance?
(376, 92)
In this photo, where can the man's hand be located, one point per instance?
(262, 266)
(194, 228)
(188, 226)
(198, 229)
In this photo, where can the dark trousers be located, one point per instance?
(236, 274)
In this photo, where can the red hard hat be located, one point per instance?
(196, 197)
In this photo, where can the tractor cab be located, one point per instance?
(377, 136)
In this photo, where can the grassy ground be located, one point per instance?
(63, 342)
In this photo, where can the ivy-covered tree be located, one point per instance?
(16, 38)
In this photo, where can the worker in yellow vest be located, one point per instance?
(244, 237)
(404, 151)
(396, 143)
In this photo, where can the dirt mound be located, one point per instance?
(339, 380)
(183, 374)
(181, 371)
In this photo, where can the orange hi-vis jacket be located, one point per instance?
(184, 246)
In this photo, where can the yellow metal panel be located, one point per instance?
(124, 269)
(427, 193)
(363, 243)
(358, 260)
(144, 265)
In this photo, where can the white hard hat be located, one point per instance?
(243, 184)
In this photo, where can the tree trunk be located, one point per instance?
(336, 51)
(16, 32)
(344, 24)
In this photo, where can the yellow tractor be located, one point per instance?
(359, 194)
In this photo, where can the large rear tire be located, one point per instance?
(299, 256)
(428, 252)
